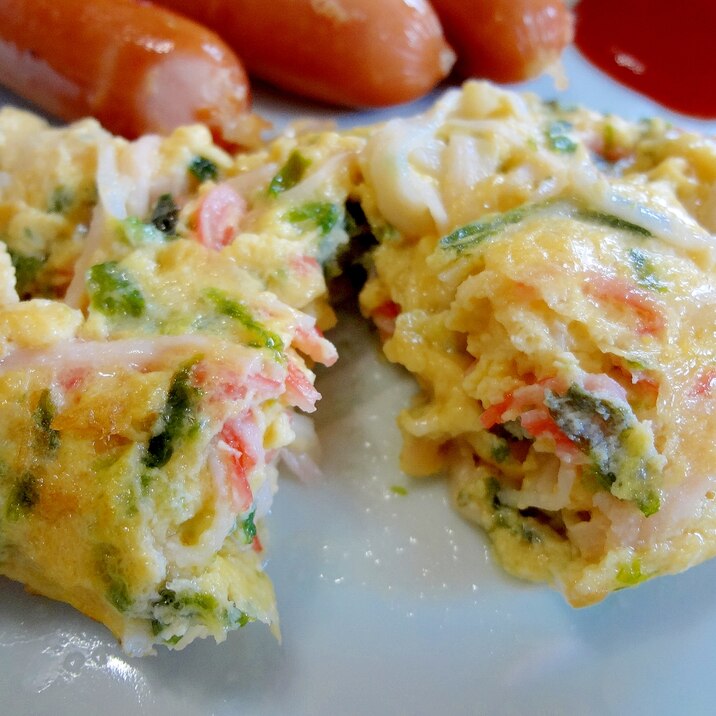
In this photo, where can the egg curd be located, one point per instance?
(550, 282)
(546, 274)
(149, 363)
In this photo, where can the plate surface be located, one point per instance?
(389, 604)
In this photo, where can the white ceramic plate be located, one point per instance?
(389, 604)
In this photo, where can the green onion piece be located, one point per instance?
(630, 573)
(558, 139)
(200, 604)
(61, 200)
(649, 503)
(609, 138)
(249, 527)
(290, 173)
(613, 222)
(557, 106)
(323, 214)
(471, 235)
(201, 601)
(113, 291)
(45, 438)
(109, 568)
(261, 337)
(138, 233)
(238, 618)
(645, 271)
(26, 270)
(501, 451)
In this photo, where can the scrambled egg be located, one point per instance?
(150, 358)
(550, 282)
(546, 274)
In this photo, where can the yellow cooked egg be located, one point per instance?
(546, 274)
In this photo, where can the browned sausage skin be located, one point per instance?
(505, 40)
(358, 53)
(135, 67)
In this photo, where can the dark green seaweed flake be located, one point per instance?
(602, 431)
(177, 420)
(165, 214)
(24, 495)
(203, 169)
(45, 438)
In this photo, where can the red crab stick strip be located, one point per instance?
(135, 67)
(359, 53)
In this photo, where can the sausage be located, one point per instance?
(358, 53)
(505, 40)
(135, 67)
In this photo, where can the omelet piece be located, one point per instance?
(547, 274)
(148, 377)
(550, 282)
(130, 491)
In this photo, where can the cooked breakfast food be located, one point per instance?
(546, 274)
(358, 53)
(147, 377)
(138, 67)
(505, 40)
(159, 72)
(549, 279)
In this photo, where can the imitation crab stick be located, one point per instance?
(221, 210)
(350, 52)
(505, 40)
(135, 67)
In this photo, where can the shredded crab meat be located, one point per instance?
(75, 293)
(241, 443)
(328, 173)
(219, 216)
(299, 388)
(305, 334)
(546, 492)
(667, 221)
(135, 353)
(302, 455)
(8, 294)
